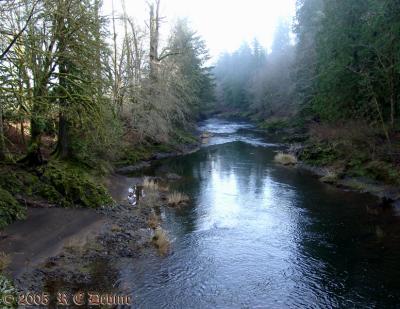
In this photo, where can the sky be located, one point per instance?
(224, 24)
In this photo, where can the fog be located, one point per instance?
(223, 24)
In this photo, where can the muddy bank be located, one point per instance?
(123, 234)
(45, 232)
(86, 250)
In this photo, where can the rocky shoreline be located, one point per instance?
(93, 264)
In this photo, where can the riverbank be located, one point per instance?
(88, 252)
(57, 240)
(349, 156)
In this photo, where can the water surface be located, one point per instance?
(259, 235)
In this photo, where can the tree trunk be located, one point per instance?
(22, 129)
(63, 149)
(154, 38)
(34, 155)
(63, 143)
(2, 143)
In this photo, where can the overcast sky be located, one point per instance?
(224, 24)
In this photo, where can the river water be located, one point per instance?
(260, 235)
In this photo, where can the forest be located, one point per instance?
(334, 85)
(82, 91)
(134, 159)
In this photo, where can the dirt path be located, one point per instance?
(45, 232)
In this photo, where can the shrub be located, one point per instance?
(177, 198)
(285, 159)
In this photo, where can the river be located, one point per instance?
(260, 235)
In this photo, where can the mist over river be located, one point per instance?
(260, 235)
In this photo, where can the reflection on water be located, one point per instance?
(260, 235)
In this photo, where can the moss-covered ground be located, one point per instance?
(56, 183)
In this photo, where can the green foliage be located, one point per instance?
(75, 185)
(319, 154)
(10, 209)
(96, 139)
(377, 170)
(133, 154)
(7, 288)
(273, 125)
(28, 184)
(182, 136)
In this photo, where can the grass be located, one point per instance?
(285, 159)
(161, 241)
(116, 228)
(5, 261)
(154, 221)
(163, 188)
(150, 200)
(177, 198)
(330, 177)
(150, 184)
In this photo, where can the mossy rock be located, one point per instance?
(75, 185)
(10, 209)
